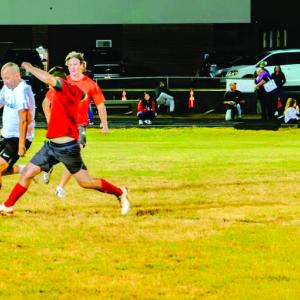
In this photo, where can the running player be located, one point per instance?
(76, 66)
(17, 100)
(62, 145)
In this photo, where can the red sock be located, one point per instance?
(109, 188)
(15, 194)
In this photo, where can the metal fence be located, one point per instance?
(208, 92)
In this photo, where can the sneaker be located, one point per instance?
(124, 202)
(141, 122)
(148, 122)
(60, 192)
(6, 211)
(46, 176)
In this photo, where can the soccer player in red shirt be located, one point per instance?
(76, 65)
(62, 145)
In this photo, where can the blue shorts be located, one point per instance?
(53, 153)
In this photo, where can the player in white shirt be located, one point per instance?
(17, 100)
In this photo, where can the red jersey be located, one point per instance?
(144, 106)
(64, 106)
(93, 91)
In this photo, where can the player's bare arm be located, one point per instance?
(46, 108)
(23, 125)
(40, 74)
(103, 117)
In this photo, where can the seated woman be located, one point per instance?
(291, 111)
(146, 111)
(164, 97)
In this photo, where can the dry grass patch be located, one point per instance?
(215, 215)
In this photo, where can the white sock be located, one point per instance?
(21, 168)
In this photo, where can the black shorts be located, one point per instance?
(53, 153)
(9, 148)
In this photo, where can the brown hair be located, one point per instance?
(74, 54)
(290, 102)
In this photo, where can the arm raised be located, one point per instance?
(40, 74)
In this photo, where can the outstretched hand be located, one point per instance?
(26, 65)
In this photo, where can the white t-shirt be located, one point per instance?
(14, 100)
(290, 114)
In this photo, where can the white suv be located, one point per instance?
(288, 59)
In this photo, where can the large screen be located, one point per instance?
(48, 12)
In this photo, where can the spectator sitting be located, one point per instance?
(163, 97)
(233, 100)
(291, 112)
(146, 110)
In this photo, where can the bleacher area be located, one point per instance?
(209, 110)
(249, 121)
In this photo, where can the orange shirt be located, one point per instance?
(93, 91)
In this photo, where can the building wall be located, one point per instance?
(160, 49)
(166, 49)
(20, 35)
(80, 38)
(55, 12)
(147, 49)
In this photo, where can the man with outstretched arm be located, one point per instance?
(76, 65)
(62, 144)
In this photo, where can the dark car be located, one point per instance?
(214, 63)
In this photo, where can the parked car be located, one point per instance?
(213, 62)
(245, 66)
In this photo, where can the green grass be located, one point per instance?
(215, 215)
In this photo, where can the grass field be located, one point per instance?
(215, 215)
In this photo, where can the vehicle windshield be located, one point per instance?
(249, 59)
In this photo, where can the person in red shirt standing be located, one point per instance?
(76, 65)
(62, 145)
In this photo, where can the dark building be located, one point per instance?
(164, 49)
